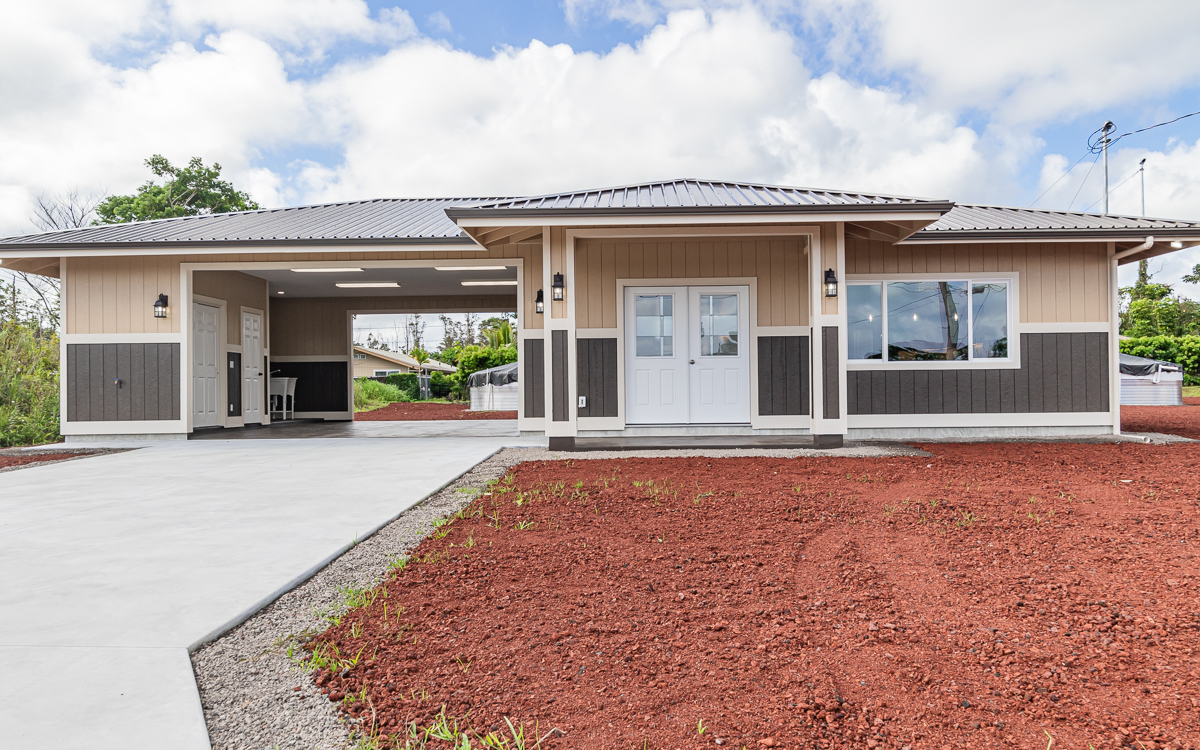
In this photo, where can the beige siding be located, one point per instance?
(558, 264)
(116, 294)
(238, 290)
(317, 326)
(779, 264)
(365, 368)
(829, 305)
(1061, 282)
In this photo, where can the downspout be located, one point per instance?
(1114, 331)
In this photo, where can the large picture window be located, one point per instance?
(951, 320)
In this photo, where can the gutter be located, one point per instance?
(1114, 331)
(1149, 243)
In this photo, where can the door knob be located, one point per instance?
(691, 361)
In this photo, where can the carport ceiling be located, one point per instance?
(414, 282)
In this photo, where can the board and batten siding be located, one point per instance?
(596, 377)
(238, 290)
(1060, 372)
(784, 375)
(779, 264)
(115, 294)
(1060, 282)
(122, 382)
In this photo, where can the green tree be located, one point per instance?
(1150, 309)
(185, 191)
(420, 355)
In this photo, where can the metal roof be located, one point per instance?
(357, 222)
(965, 222)
(697, 196)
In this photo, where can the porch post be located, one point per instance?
(828, 339)
(561, 425)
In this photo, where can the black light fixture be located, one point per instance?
(160, 306)
(830, 283)
(539, 304)
(557, 290)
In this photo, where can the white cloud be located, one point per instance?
(1027, 61)
(440, 21)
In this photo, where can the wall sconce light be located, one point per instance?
(830, 283)
(160, 306)
(539, 304)
(557, 290)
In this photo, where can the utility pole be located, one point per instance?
(1142, 171)
(1104, 131)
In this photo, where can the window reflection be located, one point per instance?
(927, 320)
(864, 310)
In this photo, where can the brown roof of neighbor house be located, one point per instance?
(401, 358)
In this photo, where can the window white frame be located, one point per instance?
(385, 373)
(1012, 362)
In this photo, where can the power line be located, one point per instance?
(1152, 127)
(1060, 179)
(1085, 179)
(1118, 187)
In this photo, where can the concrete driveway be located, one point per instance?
(113, 567)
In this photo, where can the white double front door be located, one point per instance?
(687, 355)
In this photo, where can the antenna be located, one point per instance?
(1104, 131)
(1142, 170)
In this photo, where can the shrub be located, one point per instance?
(1182, 350)
(475, 358)
(28, 386)
(440, 385)
(370, 393)
(407, 383)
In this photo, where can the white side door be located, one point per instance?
(719, 354)
(252, 364)
(656, 356)
(206, 349)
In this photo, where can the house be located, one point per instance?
(376, 363)
(684, 307)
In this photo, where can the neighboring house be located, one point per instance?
(684, 307)
(376, 363)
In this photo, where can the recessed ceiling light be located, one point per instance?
(469, 268)
(367, 284)
(279, 292)
(326, 270)
(489, 283)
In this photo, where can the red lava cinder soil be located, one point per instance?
(11, 460)
(994, 595)
(1172, 420)
(418, 411)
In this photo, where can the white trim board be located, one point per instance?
(59, 251)
(1064, 327)
(628, 220)
(123, 338)
(312, 358)
(141, 427)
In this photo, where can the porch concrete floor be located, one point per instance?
(112, 567)
(302, 428)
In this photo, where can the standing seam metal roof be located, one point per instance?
(695, 194)
(963, 220)
(379, 220)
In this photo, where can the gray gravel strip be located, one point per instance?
(248, 684)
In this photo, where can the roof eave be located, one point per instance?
(941, 207)
(925, 237)
(460, 239)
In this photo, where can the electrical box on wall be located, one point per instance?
(583, 402)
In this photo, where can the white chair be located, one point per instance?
(290, 396)
(278, 395)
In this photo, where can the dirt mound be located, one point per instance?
(991, 596)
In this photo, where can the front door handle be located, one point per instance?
(691, 361)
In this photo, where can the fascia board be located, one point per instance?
(45, 250)
(610, 219)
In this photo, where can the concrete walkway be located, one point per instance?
(291, 430)
(112, 567)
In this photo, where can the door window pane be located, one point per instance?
(989, 320)
(654, 325)
(865, 314)
(718, 325)
(927, 320)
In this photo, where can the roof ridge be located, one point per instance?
(739, 183)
